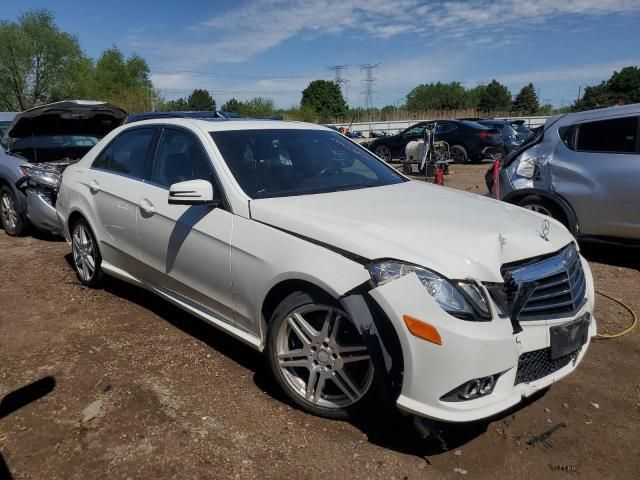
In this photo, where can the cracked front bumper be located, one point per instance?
(41, 211)
(469, 350)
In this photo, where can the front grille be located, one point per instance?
(561, 285)
(538, 364)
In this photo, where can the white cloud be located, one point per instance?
(259, 25)
(595, 71)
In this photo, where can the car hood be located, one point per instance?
(73, 117)
(458, 234)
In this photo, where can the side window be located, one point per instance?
(179, 158)
(103, 161)
(445, 127)
(128, 153)
(416, 131)
(619, 135)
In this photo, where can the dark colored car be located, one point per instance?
(511, 136)
(468, 141)
(206, 115)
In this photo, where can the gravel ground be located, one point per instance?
(117, 383)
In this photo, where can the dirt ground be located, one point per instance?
(119, 384)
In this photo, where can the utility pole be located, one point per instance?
(339, 80)
(368, 83)
(579, 92)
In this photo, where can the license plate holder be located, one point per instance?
(568, 338)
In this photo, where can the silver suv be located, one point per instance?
(582, 169)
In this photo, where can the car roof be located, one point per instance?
(231, 124)
(632, 109)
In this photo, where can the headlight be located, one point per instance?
(42, 176)
(462, 299)
(526, 168)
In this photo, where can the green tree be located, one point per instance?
(526, 102)
(38, 62)
(257, 107)
(473, 96)
(326, 100)
(495, 97)
(123, 82)
(622, 88)
(437, 96)
(201, 101)
(232, 105)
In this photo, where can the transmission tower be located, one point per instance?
(339, 79)
(368, 83)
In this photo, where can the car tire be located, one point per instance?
(407, 169)
(312, 343)
(11, 216)
(383, 152)
(458, 154)
(87, 261)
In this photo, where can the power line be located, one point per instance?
(233, 75)
(368, 83)
(339, 80)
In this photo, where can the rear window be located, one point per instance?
(618, 135)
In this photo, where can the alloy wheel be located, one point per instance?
(8, 211)
(322, 357)
(534, 207)
(84, 253)
(383, 152)
(457, 154)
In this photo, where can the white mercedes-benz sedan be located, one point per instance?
(351, 278)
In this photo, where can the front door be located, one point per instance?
(185, 249)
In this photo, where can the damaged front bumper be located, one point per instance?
(40, 186)
(471, 350)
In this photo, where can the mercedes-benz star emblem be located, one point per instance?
(544, 231)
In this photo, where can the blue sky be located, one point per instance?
(246, 48)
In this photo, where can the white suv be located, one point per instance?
(297, 241)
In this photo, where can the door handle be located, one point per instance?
(147, 206)
(94, 186)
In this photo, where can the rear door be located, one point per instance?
(596, 168)
(185, 249)
(114, 180)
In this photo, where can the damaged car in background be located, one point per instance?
(582, 169)
(37, 147)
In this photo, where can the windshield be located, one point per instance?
(54, 142)
(522, 129)
(280, 163)
(3, 128)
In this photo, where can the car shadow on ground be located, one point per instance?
(611, 254)
(384, 426)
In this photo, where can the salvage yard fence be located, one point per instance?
(394, 126)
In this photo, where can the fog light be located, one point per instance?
(476, 388)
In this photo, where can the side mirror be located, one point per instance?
(192, 192)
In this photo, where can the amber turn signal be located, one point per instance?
(422, 330)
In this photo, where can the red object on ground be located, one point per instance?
(496, 178)
(439, 176)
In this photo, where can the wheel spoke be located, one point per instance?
(334, 329)
(317, 393)
(85, 271)
(294, 358)
(303, 330)
(311, 384)
(355, 358)
(90, 263)
(351, 349)
(344, 383)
